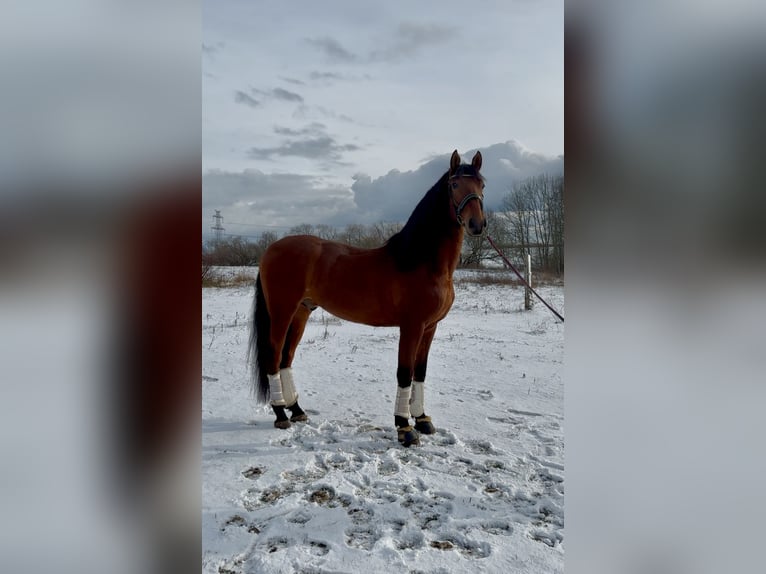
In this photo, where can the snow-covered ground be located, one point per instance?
(339, 494)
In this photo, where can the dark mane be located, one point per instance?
(419, 239)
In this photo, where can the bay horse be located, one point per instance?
(405, 283)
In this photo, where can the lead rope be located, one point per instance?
(509, 264)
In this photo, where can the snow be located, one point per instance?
(339, 494)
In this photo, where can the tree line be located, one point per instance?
(531, 220)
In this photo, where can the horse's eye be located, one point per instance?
(454, 185)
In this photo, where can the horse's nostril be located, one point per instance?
(474, 228)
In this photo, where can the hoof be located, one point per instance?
(281, 422)
(298, 416)
(407, 436)
(423, 425)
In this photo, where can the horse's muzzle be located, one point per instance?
(476, 227)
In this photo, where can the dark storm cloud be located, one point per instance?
(287, 199)
(267, 200)
(393, 196)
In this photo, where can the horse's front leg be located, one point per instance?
(409, 342)
(417, 401)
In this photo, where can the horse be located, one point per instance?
(405, 283)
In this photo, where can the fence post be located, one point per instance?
(527, 292)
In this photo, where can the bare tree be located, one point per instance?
(516, 211)
(302, 229)
(556, 219)
(207, 264)
(534, 211)
(499, 230)
(381, 232)
(326, 232)
(230, 251)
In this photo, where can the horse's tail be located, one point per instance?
(259, 349)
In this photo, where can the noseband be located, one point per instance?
(463, 171)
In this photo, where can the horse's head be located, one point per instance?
(466, 189)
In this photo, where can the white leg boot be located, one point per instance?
(416, 402)
(275, 389)
(278, 401)
(403, 395)
(405, 434)
(422, 422)
(288, 387)
(291, 396)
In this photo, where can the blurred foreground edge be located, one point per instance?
(158, 369)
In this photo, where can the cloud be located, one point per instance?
(242, 98)
(287, 199)
(407, 41)
(211, 49)
(325, 76)
(313, 128)
(410, 38)
(295, 81)
(273, 94)
(323, 147)
(336, 116)
(393, 196)
(328, 78)
(332, 49)
(286, 95)
(274, 201)
(310, 141)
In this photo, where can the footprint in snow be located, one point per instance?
(319, 548)
(464, 545)
(252, 472)
(363, 537)
(276, 544)
(481, 447)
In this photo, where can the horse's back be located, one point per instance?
(304, 251)
(309, 259)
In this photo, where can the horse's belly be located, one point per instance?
(370, 315)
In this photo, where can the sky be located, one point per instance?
(344, 112)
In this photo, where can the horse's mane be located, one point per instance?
(429, 224)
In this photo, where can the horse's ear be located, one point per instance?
(454, 161)
(476, 161)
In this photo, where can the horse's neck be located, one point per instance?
(449, 252)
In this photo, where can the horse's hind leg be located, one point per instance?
(282, 396)
(294, 334)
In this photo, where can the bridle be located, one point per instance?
(463, 171)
